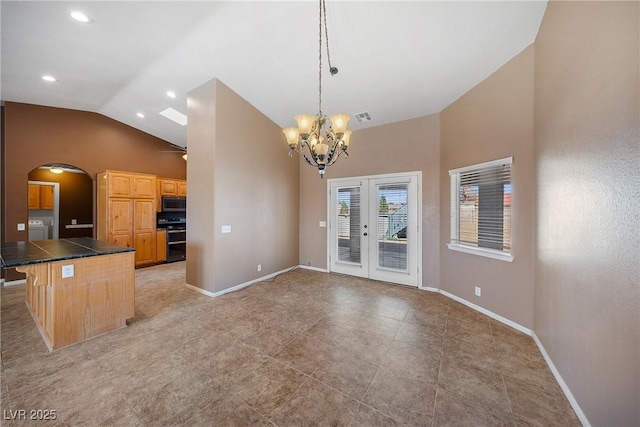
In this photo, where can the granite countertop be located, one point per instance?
(15, 254)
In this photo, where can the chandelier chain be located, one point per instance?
(326, 32)
(320, 58)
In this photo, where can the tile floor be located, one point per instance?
(306, 349)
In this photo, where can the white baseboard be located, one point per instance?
(14, 282)
(563, 385)
(199, 290)
(308, 267)
(237, 287)
(488, 313)
(429, 288)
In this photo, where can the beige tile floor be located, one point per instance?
(305, 349)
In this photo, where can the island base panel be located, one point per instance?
(97, 299)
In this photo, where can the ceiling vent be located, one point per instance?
(363, 117)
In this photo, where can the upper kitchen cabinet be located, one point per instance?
(182, 188)
(130, 185)
(144, 187)
(167, 187)
(46, 197)
(170, 187)
(34, 196)
(118, 184)
(40, 197)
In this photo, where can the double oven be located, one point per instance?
(173, 219)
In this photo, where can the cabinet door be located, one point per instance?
(34, 196)
(46, 197)
(145, 244)
(161, 246)
(182, 188)
(119, 184)
(122, 240)
(168, 187)
(144, 215)
(144, 187)
(121, 222)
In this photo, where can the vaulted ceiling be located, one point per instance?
(397, 60)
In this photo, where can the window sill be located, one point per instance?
(489, 253)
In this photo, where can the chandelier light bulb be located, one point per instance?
(339, 122)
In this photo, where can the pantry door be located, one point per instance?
(374, 230)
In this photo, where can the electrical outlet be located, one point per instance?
(21, 226)
(67, 271)
(478, 291)
(259, 267)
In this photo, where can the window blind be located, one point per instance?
(481, 205)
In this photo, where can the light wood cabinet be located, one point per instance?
(46, 197)
(170, 187)
(128, 220)
(97, 299)
(34, 196)
(120, 221)
(144, 230)
(119, 184)
(161, 245)
(182, 188)
(144, 187)
(40, 196)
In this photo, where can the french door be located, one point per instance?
(374, 230)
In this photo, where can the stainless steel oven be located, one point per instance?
(176, 243)
(176, 227)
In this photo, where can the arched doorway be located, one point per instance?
(60, 202)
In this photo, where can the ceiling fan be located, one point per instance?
(178, 149)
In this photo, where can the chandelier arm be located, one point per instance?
(333, 160)
(304, 156)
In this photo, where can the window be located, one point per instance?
(481, 209)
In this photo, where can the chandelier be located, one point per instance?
(319, 139)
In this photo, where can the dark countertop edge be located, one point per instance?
(61, 258)
(112, 251)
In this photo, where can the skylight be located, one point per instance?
(174, 115)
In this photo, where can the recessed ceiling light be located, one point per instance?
(174, 115)
(79, 16)
(49, 78)
(171, 94)
(140, 115)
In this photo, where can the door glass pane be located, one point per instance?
(392, 201)
(348, 207)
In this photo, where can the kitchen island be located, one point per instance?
(75, 288)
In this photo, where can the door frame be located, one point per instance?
(56, 206)
(330, 225)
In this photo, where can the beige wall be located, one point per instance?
(201, 113)
(492, 121)
(406, 146)
(588, 239)
(245, 182)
